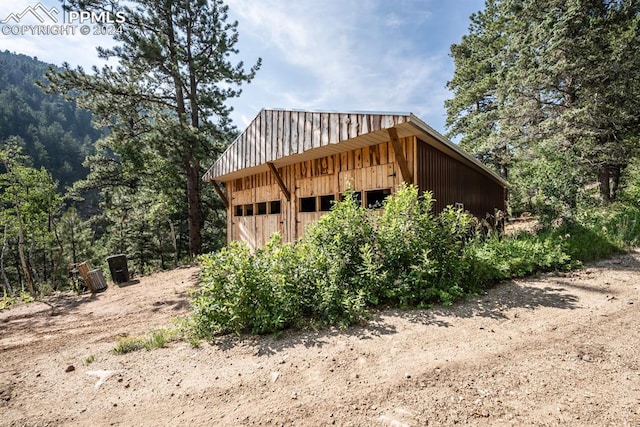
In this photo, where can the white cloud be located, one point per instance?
(360, 56)
(324, 55)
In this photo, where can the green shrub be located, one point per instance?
(333, 252)
(353, 259)
(155, 339)
(348, 261)
(242, 291)
(519, 256)
(618, 224)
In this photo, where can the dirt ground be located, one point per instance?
(560, 349)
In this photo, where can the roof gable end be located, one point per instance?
(275, 134)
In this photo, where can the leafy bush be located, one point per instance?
(333, 252)
(242, 291)
(353, 259)
(617, 224)
(348, 261)
(498, 259)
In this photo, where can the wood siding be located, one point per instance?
(453, 182)
(363, 169)
(284, 170)
(278, 134)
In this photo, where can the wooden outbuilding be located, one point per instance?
(287, 167)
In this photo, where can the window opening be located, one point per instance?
(248, 210)
(261, 208)
(375, 198)
(356, 195)
(274, 207)
(239, 210)
(326, 202)
(307, 204)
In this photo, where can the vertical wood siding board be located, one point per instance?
(260, 135)
(355, 126)
(414, 150)
(246, 139)
(295, 132)
(278, 150)
(286, 137)
(324, 129)
(308, 131)
(391, 155)
(242, 154)
(364, 124)
(252, 143)
(366, 160)
(251, 147)
(374, 153)
(234, 154)
(276, 139)
(293, 139)
(344, 126)
(301, 134)
(316, 123)
(242, 162)
(269, 138)
(377, 123)
(386, 122)
(334, 128)
(238, 152)
(274, 136)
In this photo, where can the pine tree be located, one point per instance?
(564, 90)
(29, 199)
(167, 96)
(474, 111)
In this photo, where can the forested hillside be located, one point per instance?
(56, 133)
(165, 112)
(548, 94)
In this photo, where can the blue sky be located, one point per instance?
(336, 55)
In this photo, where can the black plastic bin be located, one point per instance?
(118, 268)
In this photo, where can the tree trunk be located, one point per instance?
(192, 165)
(193, 200)
(603, 180)
(3, 272)
(616, 171)
(23, 257)
(58, 259)
(174, 241)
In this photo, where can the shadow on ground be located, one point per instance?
(492, 305)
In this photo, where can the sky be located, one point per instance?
(328, 55)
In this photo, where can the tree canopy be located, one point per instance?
(549, 90)
(165, 100)
(55, 133)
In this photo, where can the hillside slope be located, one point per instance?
(554, 350)
(57, 134)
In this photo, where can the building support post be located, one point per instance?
(222, 196)
(283, 187)
(400, 158)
